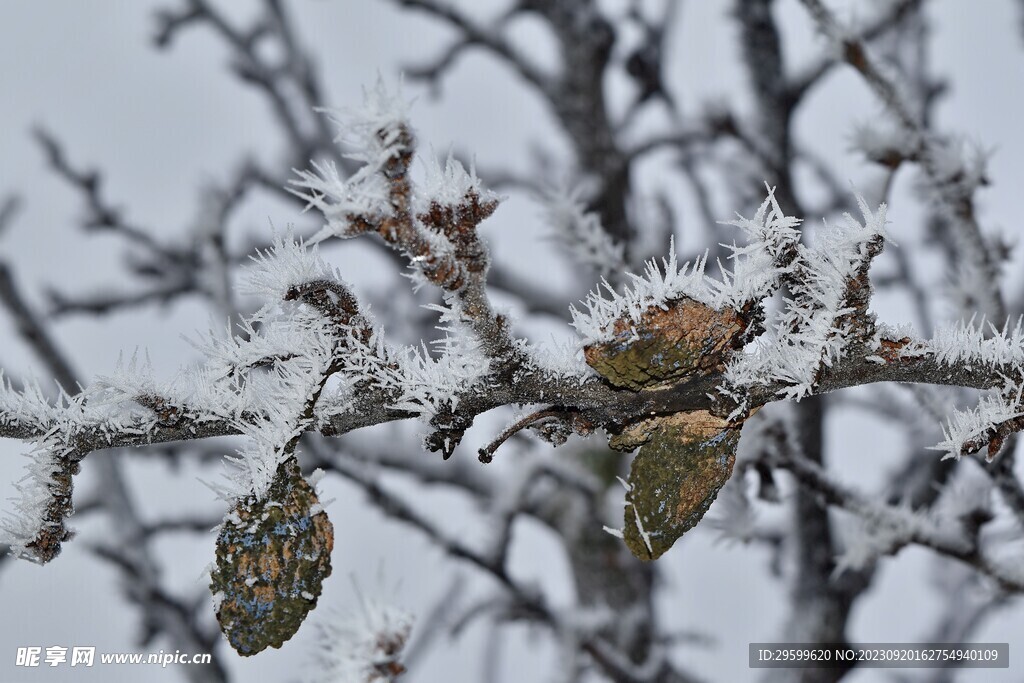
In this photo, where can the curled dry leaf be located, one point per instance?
(684, 458)
(272, 558)
(684, 339)
(674, 479)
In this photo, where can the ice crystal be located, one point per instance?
(447, 185)
(809, 333)
(420, 379)
(376, 133)
(22, 526)
(373, 130)
(364, 647)
(658, 284)
(430, 381)
(967, 344)
(964, 343)
(288, 262)
(759, 264)
(580, 232)
(260, 380)
(966, 425)
(756, 270)
(560, 359)
(27, 407)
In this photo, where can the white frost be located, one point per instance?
(807, 335)
(363, 647)
(580, 232)
(374, 134)
(965, 425)
(755, 272)
(447, 185)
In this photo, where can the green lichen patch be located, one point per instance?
(675, 478)
(686, 339)
(272, 558)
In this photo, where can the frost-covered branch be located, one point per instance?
(433, 223)
(523, 601)
(952, 174)
(676, 362)
(827, 311)
(897, 359)
(955, 536)
(39, 531)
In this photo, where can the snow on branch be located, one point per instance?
(287, 264)
(36, 530)
(999, 351)
(967, 343)
(951, 176)
(417, 380)
(447, 185)
(430, 382)
(659, 284)
(433, 223)
(312, 358)
(997, 415)
(767, 257)
(561, 359)
(374, 130)
(27, 408)
(261, 380)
